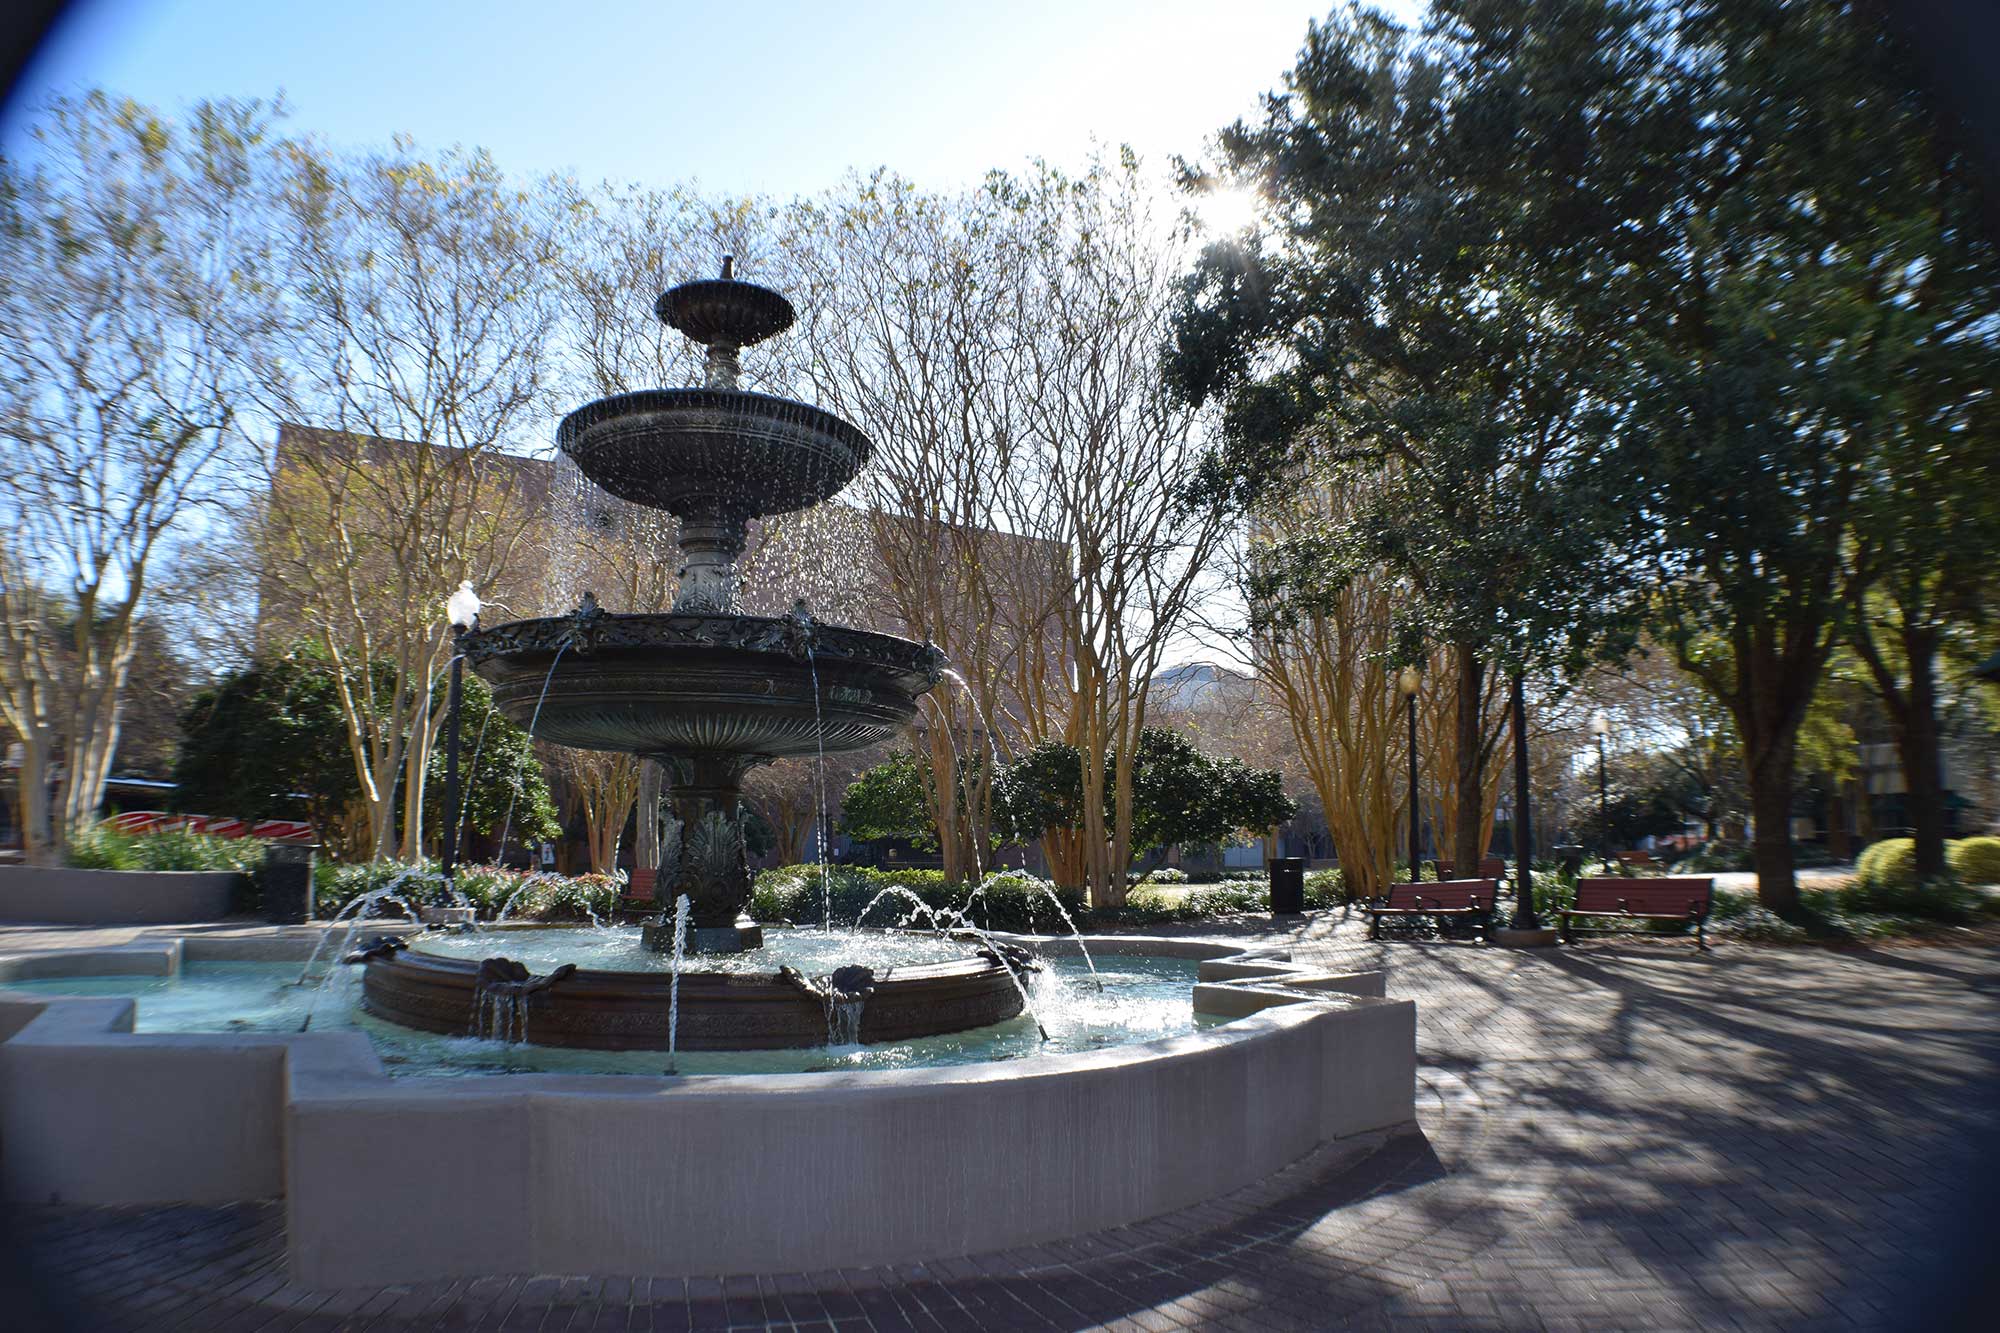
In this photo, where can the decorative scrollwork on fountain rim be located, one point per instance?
(590, 628)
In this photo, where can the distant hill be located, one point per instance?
(1194, 683)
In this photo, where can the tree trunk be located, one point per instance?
(1062, 849)
(38, 837)
(1466, 849)
(1917, 747)
(646, 845)
(104, 660)
(416, 762)
(1839, 842)
(1771, 843)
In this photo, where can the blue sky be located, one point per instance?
(778, 97)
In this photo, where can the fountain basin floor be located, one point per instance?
(1144, 998)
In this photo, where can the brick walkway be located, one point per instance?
(1614, 1136)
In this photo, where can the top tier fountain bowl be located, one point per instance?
(710, 693)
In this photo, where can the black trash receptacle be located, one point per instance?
(1569, 856)
(1288, 885)
(286, 883)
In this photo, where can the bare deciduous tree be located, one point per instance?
(131, 272)
(416, 344)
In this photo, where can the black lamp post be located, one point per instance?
(463, 609)
(1600, 726)
(1406, 682)
(1524, 837)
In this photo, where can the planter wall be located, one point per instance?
(59, 895)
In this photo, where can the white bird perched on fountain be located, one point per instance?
(462, 608)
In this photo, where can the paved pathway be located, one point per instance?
(1614, 1136)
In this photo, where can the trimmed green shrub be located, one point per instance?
(1325, 888)
(1167, 875)
(1975, 860)
(1887, 865)
(1229, 900)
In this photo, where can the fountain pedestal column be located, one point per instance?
(703, 854)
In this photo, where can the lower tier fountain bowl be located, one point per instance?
(719, 1010)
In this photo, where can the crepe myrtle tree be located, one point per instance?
(131, 272)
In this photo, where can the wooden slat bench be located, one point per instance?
(1633, 861)
(1633, 903)
(1491, 867)
(1468, 900)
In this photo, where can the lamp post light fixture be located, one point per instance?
(1600, 726)
(462, 610)
(1407, 681)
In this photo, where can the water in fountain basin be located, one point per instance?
(958, 920)
(1035, 886)
(356, 910)
(1144, 998)
(618, 949)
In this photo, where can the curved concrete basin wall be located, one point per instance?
(421, 1178)
(405, 1179)
(62, 896)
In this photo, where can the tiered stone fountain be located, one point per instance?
(710, 693)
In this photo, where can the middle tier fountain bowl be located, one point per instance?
(914, 986)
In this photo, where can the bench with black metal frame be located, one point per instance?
(1637, 903)
(1443, 903)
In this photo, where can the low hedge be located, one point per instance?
(1885, 881)
(1888, 864)
(101, 847)
(1975, 860)
(536, 897)
(1008, 900)
(1852, 913)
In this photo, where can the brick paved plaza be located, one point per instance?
(1612, 1136)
